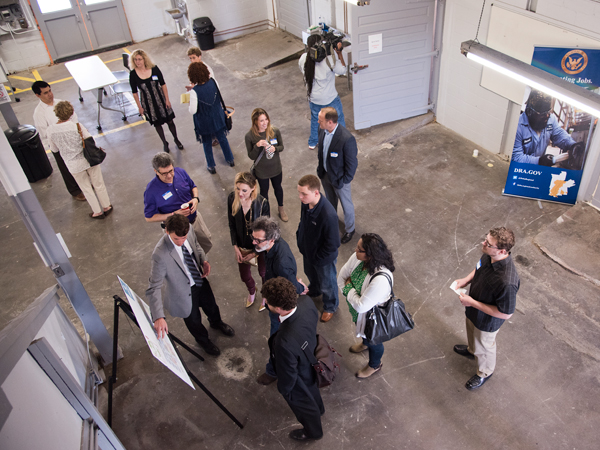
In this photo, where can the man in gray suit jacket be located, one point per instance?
(179, 261)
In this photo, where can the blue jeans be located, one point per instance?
(323, 279)
(375, 353)
(274, 327)
(344, 195)
(223, 142)
(315, 109)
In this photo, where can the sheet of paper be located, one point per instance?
(162, 349)
(375, 43)
(457, 291)
(184, 98)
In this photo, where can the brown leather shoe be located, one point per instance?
(326, 316)
(367, 371)
(358, 348)
(282, 215)
(265, 379)
(79, 197)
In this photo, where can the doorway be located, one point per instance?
(76, 27)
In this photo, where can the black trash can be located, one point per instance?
(29, 150)
(204, 29)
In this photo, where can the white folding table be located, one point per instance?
(91, 73)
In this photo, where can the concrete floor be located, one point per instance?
(423, 192)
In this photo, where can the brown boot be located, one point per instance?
(282, 214)
(358, 348)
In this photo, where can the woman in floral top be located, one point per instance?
(363, 291)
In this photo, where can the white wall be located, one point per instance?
(465, 107)
(147, 19)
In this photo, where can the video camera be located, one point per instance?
(325, 47)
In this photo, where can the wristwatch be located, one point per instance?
(196, 199)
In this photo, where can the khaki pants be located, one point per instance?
(202, 233)
(91, 183)
(483, 345)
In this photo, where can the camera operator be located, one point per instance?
(319, 77)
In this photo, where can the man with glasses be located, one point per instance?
(491, 300)
(318, 240)
(280, 262)
(171, 189)
(538, 127)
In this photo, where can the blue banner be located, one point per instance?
(552, 138)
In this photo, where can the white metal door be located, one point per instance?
(62, 27)
(75, 27)
(395, 85)
(106, 23)
(293, 15)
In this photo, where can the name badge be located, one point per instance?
(334, 155)
(167, 195)
(478, 265)
(273, 141)
(155, 77)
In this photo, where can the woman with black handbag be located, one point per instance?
(67, 138)
(244, 206)
(364, 290)
(206, 105)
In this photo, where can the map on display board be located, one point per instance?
(162, 349)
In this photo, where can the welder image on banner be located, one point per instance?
(552, 138)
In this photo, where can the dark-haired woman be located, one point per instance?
(151, 95)
(209, 117)
(244, 206)
(264, 139)
(364, 290)
(319, 78)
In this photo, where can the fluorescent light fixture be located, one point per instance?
(359, 2)
(577, 96)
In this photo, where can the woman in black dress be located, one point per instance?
(151, 96)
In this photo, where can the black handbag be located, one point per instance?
(92, 153)
(387, 321)
(227, 110)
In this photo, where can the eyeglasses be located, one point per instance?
(488, 245)
(164, 174)
(260, 241)
(543, 113)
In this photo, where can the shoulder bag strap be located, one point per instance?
(389, 281)
(81, 135)
(220, 96)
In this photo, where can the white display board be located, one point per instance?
(162, 349)
(516, 33)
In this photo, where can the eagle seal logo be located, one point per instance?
(574, 62)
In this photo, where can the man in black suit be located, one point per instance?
(337, 165)
(296, 378)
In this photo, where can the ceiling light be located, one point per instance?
(577, 96)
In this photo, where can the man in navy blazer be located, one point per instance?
(337, 165)
(180, 264)
(296, 378)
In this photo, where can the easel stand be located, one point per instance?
(120, 303)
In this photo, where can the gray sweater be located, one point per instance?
(266, 168)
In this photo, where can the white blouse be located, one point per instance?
(65, 139)
(371, 294)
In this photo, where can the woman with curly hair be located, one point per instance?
(264, 143)
(244, 206)
(363, 291)
(209, 117)
(151, 95)
(319, 78)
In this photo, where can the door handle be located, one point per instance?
(87, 16)
(355, 68)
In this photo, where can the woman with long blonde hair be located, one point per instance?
(244, 206)
(264, 143)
